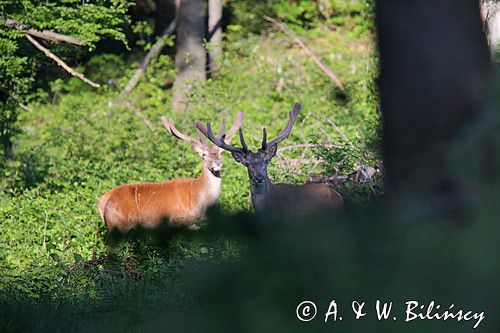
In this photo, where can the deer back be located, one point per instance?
(300, 202)
(150, 204)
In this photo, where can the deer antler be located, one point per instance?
(224, 139)
(236, 126)
(288, 129)
(264, 138)
(169, 125)
(242, 140)
(222, 128)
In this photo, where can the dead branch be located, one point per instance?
(60, 62)
(361, 175)
(307, 145)
(155, 50)
(44, 34)
(301, 69)
(342, 133)
(283, 27)
(25, 107)
(120, 103)
(138, 113)
(300, 161)
(294, 164)
(19, 103)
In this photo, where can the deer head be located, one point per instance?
(255, 162)
(211, 154)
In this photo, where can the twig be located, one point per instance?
(304, 161)
(307, 145)
(299, 161)
(60, 62)
(45, 230)
(361, 175)
(25, 108)
(139, 114)
(342, 133)
(301, 70)
(282, 26)
(67, 274)
(155, 50)
(16, 98)
(45, 34)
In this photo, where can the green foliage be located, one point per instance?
(352, 16)
(79, 143)
(90, 21)
(20, 61)
(236, 274)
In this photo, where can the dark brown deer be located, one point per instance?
(283, 199)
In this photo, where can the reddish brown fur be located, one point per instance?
(178, 201)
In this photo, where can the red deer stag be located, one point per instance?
(283, 199)
(180, 201)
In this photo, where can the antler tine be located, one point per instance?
(236, 125)
(288, 129)
(222, 128)
(264, 138)
(202, 139)
(242, 140)
(169, 125)
(210, 135)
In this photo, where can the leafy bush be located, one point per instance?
(20, 61)
(79, 143)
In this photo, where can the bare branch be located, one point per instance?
(342, 133)
(283, 27)
(60, 62)
(17, 99)
(25, 108)
(307, 145)
(301, 69)
(300, 161)
(138, 114)
(45, 34)
(155, 50)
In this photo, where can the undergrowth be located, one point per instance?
(80, 142)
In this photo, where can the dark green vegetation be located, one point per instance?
(236, 274)
(19, 65)
(79, 142)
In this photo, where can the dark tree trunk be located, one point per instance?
(190, 60)
(164, 14)
(215, 33)
(435, 67)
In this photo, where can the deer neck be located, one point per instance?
(260, 193)
(209, 186)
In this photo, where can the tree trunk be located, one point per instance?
(434, 77)
(164, 14)
(190, 59)
(215, 34)
(490, 14)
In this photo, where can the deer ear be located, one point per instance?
(239, 156)
(270, 152)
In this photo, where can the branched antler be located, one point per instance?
(288, 129)
(222, 141)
